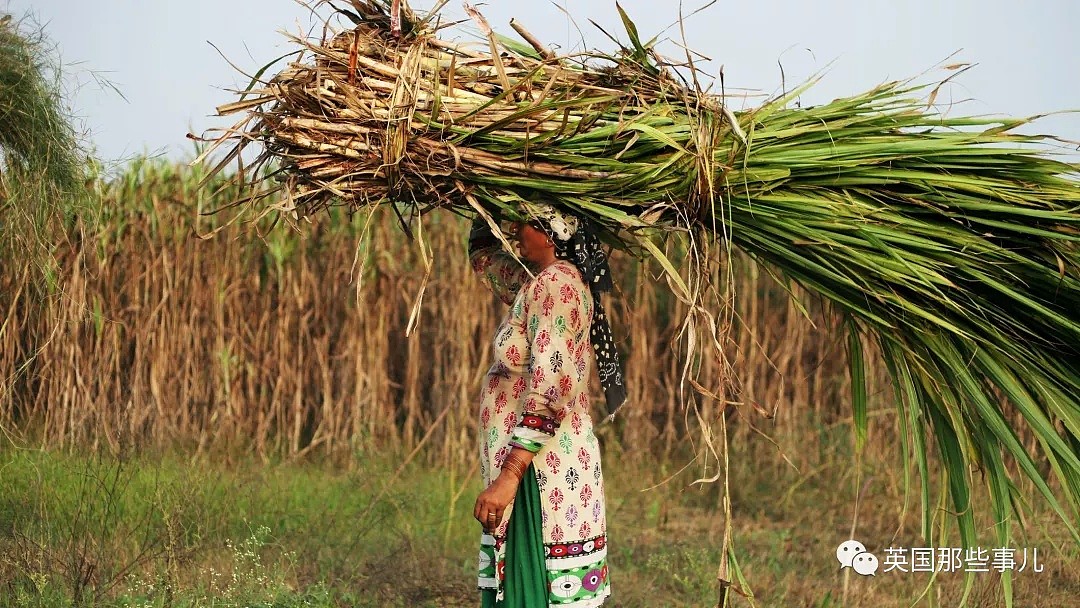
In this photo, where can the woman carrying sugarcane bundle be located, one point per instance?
(950, 246)
(544, 541)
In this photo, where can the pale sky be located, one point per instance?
(158, 54)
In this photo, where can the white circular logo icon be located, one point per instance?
(847, 551)
(865, 564)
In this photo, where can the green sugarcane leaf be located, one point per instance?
(857, 368)
(517, 47)
(669, 268)
(640, 54)
(655, 133)
(257, 77)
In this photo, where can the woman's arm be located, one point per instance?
(492, 502)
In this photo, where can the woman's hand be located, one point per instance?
(493, 501)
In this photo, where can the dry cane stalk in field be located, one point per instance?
(161, 339)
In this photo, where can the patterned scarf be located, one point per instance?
(576, 241)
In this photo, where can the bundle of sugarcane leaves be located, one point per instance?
(951, 243)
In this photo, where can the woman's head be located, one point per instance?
(546, 235)
(534, 245)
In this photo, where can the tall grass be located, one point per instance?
(163, 338)
(43, 171)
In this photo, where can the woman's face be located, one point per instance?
(533, 245)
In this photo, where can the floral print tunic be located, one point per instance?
(535, 396)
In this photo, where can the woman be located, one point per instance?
(544, 541)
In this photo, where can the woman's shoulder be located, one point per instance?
(559, 279)
(561, 272)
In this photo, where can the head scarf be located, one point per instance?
(576, 241)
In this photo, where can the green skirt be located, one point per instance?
(526, 584)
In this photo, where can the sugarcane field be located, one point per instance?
(371, 303)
